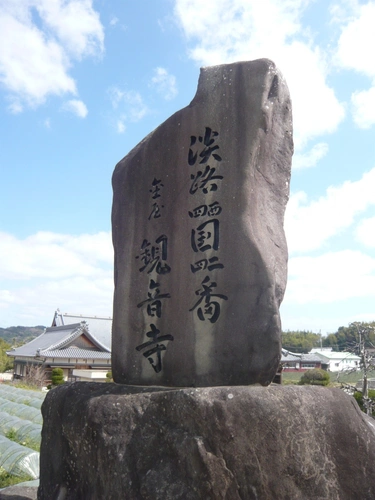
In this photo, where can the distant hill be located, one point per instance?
(20, 334)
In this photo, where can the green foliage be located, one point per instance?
(300, 341)
(11, 434)
(7, 479)
(346, 337)
(358, 396)
(316, 376)
(15, 336)
(29, 443)
(290, 378)
(21, 384)
(57, 376)
(108, 377)
(6, 363)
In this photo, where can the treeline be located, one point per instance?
(301, 341)
(6, 363)
(346, 338)
(16, 335)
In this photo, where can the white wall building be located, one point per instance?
(337, 361)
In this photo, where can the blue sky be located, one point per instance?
(82, 82)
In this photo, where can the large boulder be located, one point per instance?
(109, 441)
(21, 492)
(197, 223)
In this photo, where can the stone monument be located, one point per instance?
(200, 251)
(200, 270)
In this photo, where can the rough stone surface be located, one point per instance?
(197, 222)
(19, 493)
(106, 441)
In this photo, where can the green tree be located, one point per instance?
(300, 341)
(330, 341)
(6, 363)
(346, 337)
(358, 396)
(359, 338)
(57, 376)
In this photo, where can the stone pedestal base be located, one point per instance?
(108, 441)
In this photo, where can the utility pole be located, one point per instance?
(365, 366)
(362, 353)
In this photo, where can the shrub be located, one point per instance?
(57, 376)
(109, 377)
(34, 378)
(316, 376)
(358, 396)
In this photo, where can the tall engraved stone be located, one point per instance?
(200, 251)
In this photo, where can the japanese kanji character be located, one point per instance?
(209, 264)
(208, 139)
(154, 300)
(211, 210)
(153, 256)
(206, 236)
(153, 334)
(204, 180)
(156, 188)
(206, 307)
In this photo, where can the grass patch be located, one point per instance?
(22, 385)
(291, 377)
(345, 378)
(29, 443)
(7, 479)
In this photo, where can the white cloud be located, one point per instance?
(120, 126)
(309, 225)
(238, 23)
(364, 108)
(34, 304)
(311, 158)
(129, 105)
(343, 11)
(164, 83)
(48, 270)
(35, 58)
(356, 40)
(365, 232)
(14, 106)
(113, 21)
(48, 255)
(222, 31)
(75, 25)
(136, 108)
(131, 100)
(77, 107)
(330, 277)
(115, 95)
